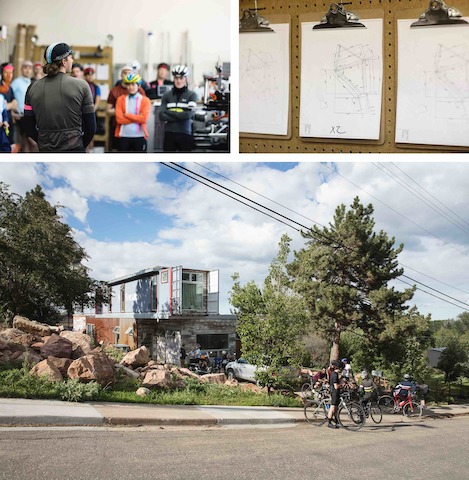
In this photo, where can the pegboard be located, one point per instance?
(393, 9)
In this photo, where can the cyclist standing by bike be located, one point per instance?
(404, 388)
(368, 388)
(335, 393)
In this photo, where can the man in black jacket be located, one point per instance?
(59, 111)
(177, 111)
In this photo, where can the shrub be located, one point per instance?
(114, 353)
(74, 391)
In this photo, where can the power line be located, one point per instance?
(283, 216)
(433, 295)
(398, 213)
(418, 195)
(310, 219)
(431, 195)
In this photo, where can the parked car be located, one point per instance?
(241, 370)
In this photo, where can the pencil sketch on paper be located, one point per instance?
(260, 73)
(354, 78)
(447, 84)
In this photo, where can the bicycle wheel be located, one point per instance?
(315, 413)
(376, 413)
(386, 402)
(306, 389)
(351, 416)
(412, 410)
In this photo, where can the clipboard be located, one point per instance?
(277, 19)
(413, 15)
(363, 15)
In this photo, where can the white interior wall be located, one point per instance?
(88, 22)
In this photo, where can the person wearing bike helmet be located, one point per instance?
(335, 385)
(132, 112)
(58, 109)
(177, 111)
(368, 388)
(404, 387)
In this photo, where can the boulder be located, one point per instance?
(245, 387)
(128, 371)
(47, 369)
(157, 378)
(219, 378)
(57, 346)
(232, 383)
(136, 358)
(28, 358)
(37, 346)
(188, 373)
(143, 392)
(95, 366)
(13, 335)
(62, 364)
(81, 343)
(31, 326)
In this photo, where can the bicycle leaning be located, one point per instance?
(350, 414)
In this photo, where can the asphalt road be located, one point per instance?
(433, 449)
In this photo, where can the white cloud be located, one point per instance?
(21, 177)
(71, 200)
(120, 182)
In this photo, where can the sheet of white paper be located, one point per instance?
(433, 84)
(104, 90)
(264, 91)
(341, 81)
(102, 72)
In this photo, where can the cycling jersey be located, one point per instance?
(58, 104)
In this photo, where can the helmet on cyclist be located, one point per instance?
(133, 78)
(344, 360)
(337, 364)
(364, 374)
(179, 71)
(406, 376)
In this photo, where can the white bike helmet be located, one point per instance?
(179, 71)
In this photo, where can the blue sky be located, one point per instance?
(131, 216)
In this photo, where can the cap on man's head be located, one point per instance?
(27, 63)
(37, 64)
(57, 51)
(344, 360)
(89, 71)
(8, 66)
(163, 65)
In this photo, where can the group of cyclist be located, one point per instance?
(339, 379)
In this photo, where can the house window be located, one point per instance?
(98, 309)
(192, 291)
(213, 341)
(117, 333)
(154, 303)
(123, 298)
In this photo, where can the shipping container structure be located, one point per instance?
(163, 308)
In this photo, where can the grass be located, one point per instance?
(18, 383)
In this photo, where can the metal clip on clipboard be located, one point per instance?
(252, 22)
(338, 17)
(438, 13)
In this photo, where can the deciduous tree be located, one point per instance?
(41, 264)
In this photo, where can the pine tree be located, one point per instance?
(343, 274)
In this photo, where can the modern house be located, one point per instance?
(163, 308)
